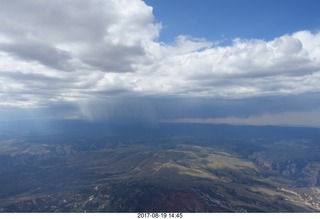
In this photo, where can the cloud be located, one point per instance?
(46, 55)
(103, 58)
(134, 108)
(306, 118)
(113, 58)
(100, 33)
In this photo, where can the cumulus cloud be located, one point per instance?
(103, 58)
(46, 55)
(99, 33)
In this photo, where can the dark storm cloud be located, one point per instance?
(135, 108)
(111, 58)
(43, 113)
(46, 55)
(28, 77)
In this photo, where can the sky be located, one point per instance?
(209, 61)
(229, 19)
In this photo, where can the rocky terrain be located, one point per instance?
(179, 173)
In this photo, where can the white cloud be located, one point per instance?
(73, 51)
(246, 68)
(103, 34)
